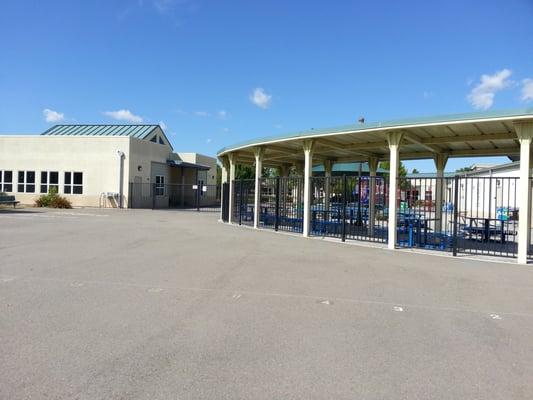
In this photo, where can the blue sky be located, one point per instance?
(219, 72)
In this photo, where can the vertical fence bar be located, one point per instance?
(455, 213)
(153, 196)
(344, 196)
(276, 218)
(240, 201)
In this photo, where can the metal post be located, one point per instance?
(153, 195)
(240, 202)
(276, 221)
(359, 221)
(344, 195)
(455, 213)
(198, 188)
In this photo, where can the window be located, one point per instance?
(159, 185)
(49, 181)
(6, 181)
(161, 140)
(26, 182)
(73, 183)
(154, 139)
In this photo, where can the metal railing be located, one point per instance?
(282, 203)
(472, 215)
(194, 196)
(349, 207)
(243, 201)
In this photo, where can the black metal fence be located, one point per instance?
(425, 213)
(487, 215)
(472, 215)
(197, 196)
(243, 201)
(282, 203)
(225, 202)
(349, 207)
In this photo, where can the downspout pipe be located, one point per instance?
(121, 157)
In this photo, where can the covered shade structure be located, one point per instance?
(506, 133)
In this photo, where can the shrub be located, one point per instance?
(52, 200)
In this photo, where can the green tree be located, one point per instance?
(402, 173)
(464, 169)
(244, 172)
(415, 171)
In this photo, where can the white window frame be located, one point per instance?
(72, 185)
(3, 182)
(47, 183)
(25, 182)
(160, 185)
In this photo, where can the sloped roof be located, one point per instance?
(347, 167)
(461, 135)
(136, 131)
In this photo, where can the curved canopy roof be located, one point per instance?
(459, 135)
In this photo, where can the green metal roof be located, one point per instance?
(423, 175)
(347, 167)
(400, 123)
(136, 131)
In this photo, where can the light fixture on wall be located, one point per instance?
(139, 168)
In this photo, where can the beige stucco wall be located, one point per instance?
(96, 157)
(196, 158)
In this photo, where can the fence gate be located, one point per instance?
(349, 207)
(487, 215)
(243, 201)
(469, 215)
(282, 204)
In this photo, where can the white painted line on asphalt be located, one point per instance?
(155, 290)
(397, 308)
(291, 295)
(5, 280)
(237, 296)
(495, 316)
(326, 302)
(77, 284)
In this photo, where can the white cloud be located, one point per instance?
(260, 98)
(222, 114)
(163, 125)
(124, 115)
(482, 95)
(527, 90)
(201, 114)
(53, 116)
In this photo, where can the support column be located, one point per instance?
(283, 170)
(308, 146)
(232, 167)
(394, 139)
(328, 166)
(258, 153)
(373, 163)
(524, 131)
(224, 166)
(440, 163)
